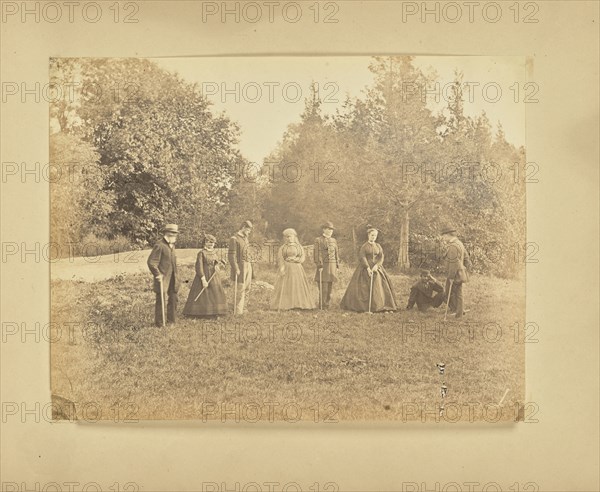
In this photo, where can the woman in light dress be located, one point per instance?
(292, 290)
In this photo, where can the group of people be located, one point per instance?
(369, 290)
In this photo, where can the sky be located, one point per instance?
(265, 94)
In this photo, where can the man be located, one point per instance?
(327, 260)
(241, 267)
(426, 292)
(457, 259)
(162, 262)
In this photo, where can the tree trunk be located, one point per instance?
(403, 260)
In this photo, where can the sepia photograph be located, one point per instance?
(289, 238)
(326, 246)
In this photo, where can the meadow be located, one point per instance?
(109, 362)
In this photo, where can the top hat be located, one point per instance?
(172, 228)
(327, 225)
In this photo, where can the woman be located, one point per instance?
(207, 284)
(291, 287)
(369, 269)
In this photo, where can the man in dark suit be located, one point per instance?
(241, 267)
(457, 260)
(327, 260)
(162, 262)
(426, 292)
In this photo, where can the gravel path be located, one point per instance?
(97, 268)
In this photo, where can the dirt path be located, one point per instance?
(97, 268)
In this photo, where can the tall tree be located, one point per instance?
(164, 155)
(404, 140)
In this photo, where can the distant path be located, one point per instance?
(97, 268)
(103, 267)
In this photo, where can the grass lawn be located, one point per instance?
(327, 366)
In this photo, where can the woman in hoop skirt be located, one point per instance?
(370, 266)
(291, 287)
(212, 301)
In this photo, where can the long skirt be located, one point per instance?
(292, 290)
(356, 297)
(212, 302)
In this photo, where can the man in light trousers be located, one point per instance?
(241, 267)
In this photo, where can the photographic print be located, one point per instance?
(289, 239)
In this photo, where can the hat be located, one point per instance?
(172, 228)
(327, 225)
(448, 229)
(289, 232)
(371, 228)
(425, 273)
(247, 223)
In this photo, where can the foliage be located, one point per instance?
(161, 155)
(406, 171)
(77, 200)
(164, 156)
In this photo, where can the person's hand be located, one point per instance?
(159, 279)
(369, 271)
(282, 271)
(204, 282)
(375, 268)
(237, 271)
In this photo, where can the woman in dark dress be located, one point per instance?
(370, 266)
(207, 283)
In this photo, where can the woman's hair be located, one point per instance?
(289, 232)
(208, 237)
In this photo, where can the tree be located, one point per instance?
(164, 156)
(403, 139)
(303, 188)
(77, 201)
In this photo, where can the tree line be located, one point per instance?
(148, 148)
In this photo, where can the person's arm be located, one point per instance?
(280, 260)
(453, 257)
(232, 256)
(467, 259)
(200, 264)
(154, 261)
(317, 254)
(200, 269)
(438, 287)
(362, 256)
(412, 298)
(302, 254)
(380, 261)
